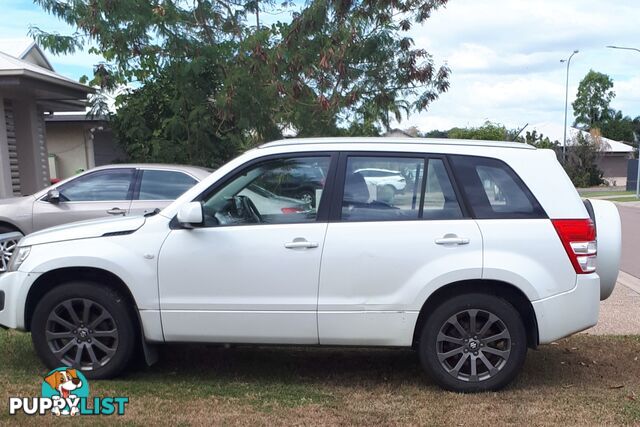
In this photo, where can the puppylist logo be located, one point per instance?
(65, 391)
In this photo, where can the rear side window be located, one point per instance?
(164, 184)
(382, 188)
(493, 189)
(440, 200)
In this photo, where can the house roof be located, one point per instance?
(555, 133)
(25, 49)
(606, 145)
(14, 67)
(66, 118)
(397, 133)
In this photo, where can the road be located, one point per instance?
(630, 217)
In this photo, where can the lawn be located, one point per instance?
(623, 199)
(612, 193)
(583, 380)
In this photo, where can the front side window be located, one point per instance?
(164, 185)
(273, 192)
(105, 185)
(382, 188)
(494, 190)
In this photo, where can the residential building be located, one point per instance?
(29, 87)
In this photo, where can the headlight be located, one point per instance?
(18, 257)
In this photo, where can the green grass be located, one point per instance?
(586, 193)
(623, 199)
(584, 380)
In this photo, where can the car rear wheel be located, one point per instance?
(86, 326)
(9, 238)
(308, 197)
(473, 342)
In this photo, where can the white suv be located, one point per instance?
(489, 250)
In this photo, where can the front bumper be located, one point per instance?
(569, 312)
(15, 286)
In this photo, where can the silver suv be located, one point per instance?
(126, 189)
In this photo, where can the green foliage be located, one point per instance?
(595, 93)
(619, 127)
(436, 134)
(581, 162)
(538, 140)
(207, 83)
(488, 131)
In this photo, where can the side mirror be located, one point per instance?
(190, 214)
(53, 196)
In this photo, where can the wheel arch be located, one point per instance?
(7, 224)
(505, 290)
(49, 280)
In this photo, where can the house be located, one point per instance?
(612, 158)
(29, 87)
(613, 155)
(397, 133)
(77, 142)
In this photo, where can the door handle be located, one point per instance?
(300, 244)
(116, 211)
(452, 239)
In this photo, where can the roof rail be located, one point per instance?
(388, 140)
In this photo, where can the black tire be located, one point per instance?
(102, 302)
(434, 346)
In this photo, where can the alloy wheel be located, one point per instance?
(473, 345)
(81, 333)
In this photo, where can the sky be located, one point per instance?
(504, 55)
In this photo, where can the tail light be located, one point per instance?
(291, 210)
(578, 237)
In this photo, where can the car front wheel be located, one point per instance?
(84, 325)
(473, 342)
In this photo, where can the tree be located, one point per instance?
(210, 83)
(581, 163)
(436, 134)
(538, 140)
(618, 127)
(591, 107)
(488, 131)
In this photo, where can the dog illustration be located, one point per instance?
(64, 382)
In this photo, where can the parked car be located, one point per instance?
(116, 190)
(299, 181)
(268, 203)
(384, 178)
(470, 281)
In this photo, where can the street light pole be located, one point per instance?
(566, 101)
(638, 166)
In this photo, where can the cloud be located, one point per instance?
(505, 58)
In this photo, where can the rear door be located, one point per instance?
(157, 188)
(521, 245)
(385, 251)
(102, 193)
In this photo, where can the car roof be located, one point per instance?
(196, 171)
(391, 141)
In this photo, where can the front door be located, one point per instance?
(390, 246)
(102, 193)
(249, 273)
